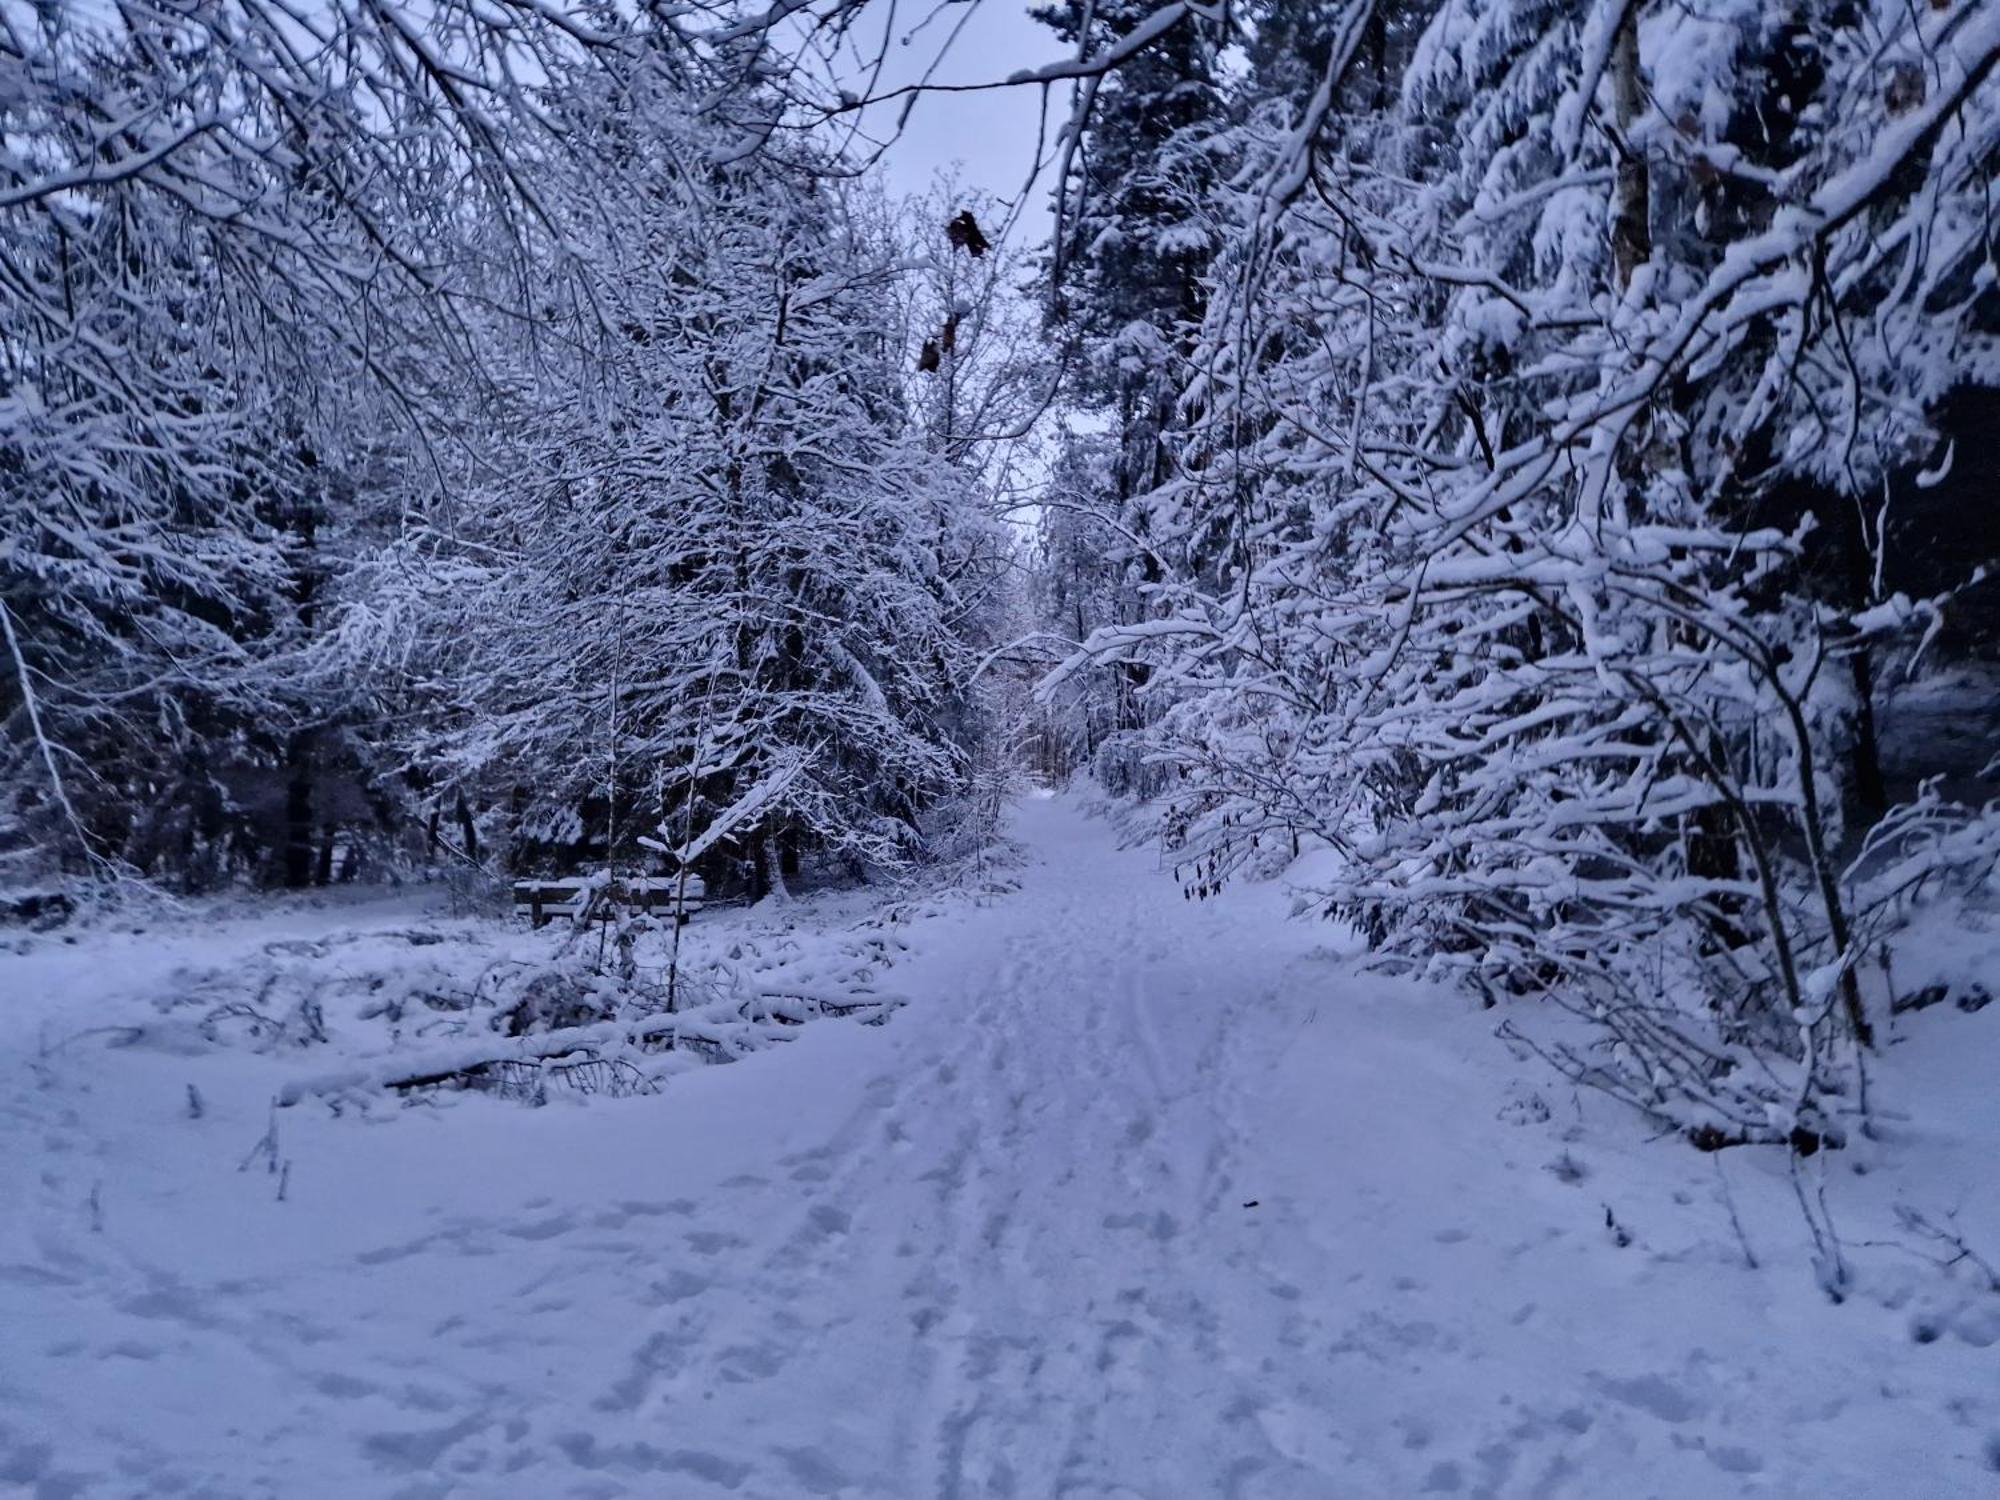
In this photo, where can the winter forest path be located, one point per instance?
(1144, 1198)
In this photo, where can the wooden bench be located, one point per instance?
(544, 900)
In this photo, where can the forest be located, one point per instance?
(1416, 563)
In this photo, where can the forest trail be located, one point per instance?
(1145, 1198)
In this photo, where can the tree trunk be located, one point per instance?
(299, 842)
(1631, 229)
(1712, 854)
(1871, 791)
(772, 863)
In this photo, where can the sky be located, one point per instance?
(990, 135)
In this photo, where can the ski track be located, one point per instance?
(1014, 1256)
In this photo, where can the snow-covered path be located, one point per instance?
(1145, 1198)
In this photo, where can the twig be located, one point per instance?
(48, 753)
(1735, 1222)
(1962, 1253)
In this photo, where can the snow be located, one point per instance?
(1138, 1197)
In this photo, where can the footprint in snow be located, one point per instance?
(1653, 1394)
(662, 1355)
(1732, 1459)
(742, 1363)
(713, 1241)
(678, 1207)
(826, 1222)
(419, 1451)
(583, 1450)
(677, 1285)
(542, 1229)
(1160, 1224)
(813, 1472)
(343, 1387)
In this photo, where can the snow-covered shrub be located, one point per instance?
(611, 1008)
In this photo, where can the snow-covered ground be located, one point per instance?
(1138, 1198)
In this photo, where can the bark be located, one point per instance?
(467, 830)
(1631, 213)
(772, 863)
(1871, 791)
(299, 840)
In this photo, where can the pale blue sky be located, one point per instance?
(991, 133)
